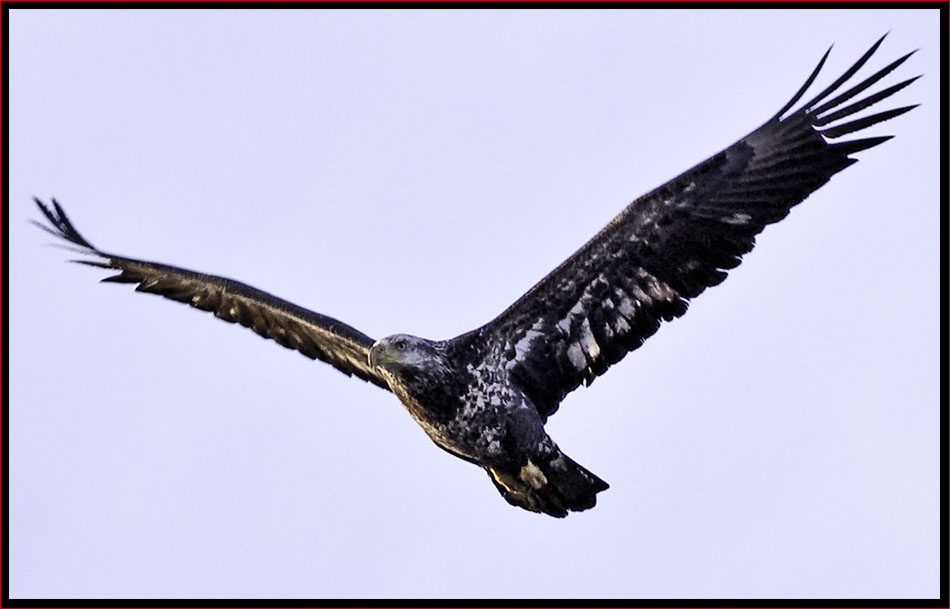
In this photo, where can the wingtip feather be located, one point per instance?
(864, 123)
(60, 224)
(854, 146)
(808, 82)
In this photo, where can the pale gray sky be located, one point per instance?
(416, 172)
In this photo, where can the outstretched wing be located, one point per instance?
(671, 244)
(314, 335)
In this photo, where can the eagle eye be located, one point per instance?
(401, 344)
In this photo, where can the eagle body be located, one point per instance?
(485, 396)
(471, 409)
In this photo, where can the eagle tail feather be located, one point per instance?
(552, 485)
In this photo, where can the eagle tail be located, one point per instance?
(552, 485)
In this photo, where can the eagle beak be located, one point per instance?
(374, 354)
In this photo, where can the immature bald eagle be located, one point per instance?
(485, 396)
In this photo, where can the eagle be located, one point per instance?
(485, 396)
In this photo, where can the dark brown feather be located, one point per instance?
(312, 334)
(669, 245)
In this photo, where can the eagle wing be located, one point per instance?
(314, 335)
(671, 244)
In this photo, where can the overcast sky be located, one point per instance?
(417, 172)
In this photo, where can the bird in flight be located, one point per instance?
(486, 395)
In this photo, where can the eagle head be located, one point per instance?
(419, 372)
(413, 366)
(404, 352)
